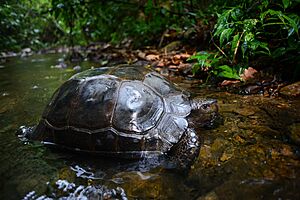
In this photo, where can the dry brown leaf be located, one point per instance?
(248, 73)
(160, 64)
(182, 56)
(229, 82)
(152, 57)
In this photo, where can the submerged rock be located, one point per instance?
(295, 134)
(292, 90)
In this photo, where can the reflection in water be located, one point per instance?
(80, 172)
(254, 154)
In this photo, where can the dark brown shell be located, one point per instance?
(124, 111)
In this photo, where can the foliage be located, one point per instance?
(72, 22)
(250, 28)
(143, 21)
(244, 30)
(23, 24)
(211, 64)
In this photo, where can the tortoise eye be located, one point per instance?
(205, 107)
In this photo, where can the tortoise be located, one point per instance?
(126, 112)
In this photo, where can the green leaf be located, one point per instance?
(292, 23)
(195, 68)
(226, 72)
(249, 37)
(286, 3)
(249, 24)
(225, 35)
(236, 13)
(220, 28)
(279, 52)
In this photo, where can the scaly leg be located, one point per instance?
(186, 150)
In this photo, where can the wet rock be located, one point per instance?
(235, 108)
(61, 65)
(295, 132)
(227, 155)
(4, 94)
(292, 90)
(205, 156)
(138, 184)
(66, 174)
(34, 87)
(210, 196)
(281, 150)
(172, 46)
(219, 144)
(26, 52)
(247, 111)
(77, 68)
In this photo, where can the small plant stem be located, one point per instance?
(236, 48)
(212, 39)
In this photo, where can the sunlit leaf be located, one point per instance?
(225, 35)
(226, 72)
(291, 23)
(286, 3)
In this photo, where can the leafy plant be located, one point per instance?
(247, 29)
(211, 64)
(24, 23)
(238, 34)
(244, 32)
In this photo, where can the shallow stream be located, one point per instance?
(253, 154)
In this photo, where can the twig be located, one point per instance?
(212, 39)
(236, 48)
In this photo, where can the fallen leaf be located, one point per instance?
(229, 82)
(182, 56)
(152, 57)
(248, 73)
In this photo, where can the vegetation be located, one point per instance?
(243, 31)
(251, 29)
(26, 24)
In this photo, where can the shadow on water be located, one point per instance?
(254, 154)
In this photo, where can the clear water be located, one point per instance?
(254, 154)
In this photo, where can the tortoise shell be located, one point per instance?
(125, 111)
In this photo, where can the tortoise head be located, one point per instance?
(205, 111)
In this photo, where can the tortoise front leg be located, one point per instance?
(186, 150)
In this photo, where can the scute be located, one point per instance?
(138, 108)
(85, 104)
(172, 128)
(56, 112)
(160, 84)
(178, 105)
